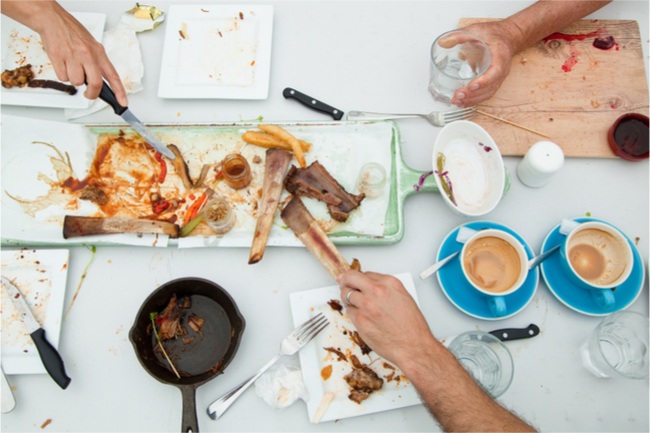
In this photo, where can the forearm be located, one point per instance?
(452, 396)
(31, 13)
(546, 17)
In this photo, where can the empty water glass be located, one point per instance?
(457, 57)
(486, 358)
(618, 347)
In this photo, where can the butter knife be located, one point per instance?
(107, 95)
(49, 355)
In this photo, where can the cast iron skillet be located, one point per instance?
(198, 361)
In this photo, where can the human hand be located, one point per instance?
(76, 56)
(500, 39)
(385, 314)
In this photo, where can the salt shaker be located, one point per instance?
(540, 163)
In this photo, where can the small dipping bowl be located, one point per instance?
(628, 137)
(219, 215)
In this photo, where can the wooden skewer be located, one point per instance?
(511, 123)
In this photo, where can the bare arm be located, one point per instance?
(75, 55)
(516, 33)
(391, 323)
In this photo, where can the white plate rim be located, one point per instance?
(260, 88)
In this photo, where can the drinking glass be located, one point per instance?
(457, 57)
(486, 358)
(618, 347)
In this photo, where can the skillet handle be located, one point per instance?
(190, 422)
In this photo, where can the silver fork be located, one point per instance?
(437, 118)
(291, 344)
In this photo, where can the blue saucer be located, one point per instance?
(579, 299)
(465, 297)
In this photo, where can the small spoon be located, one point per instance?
(437, 265)
(462, 236)
(539, 259)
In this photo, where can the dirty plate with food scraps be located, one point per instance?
(217, 52)
(468, 168)
(34, 216)
(22, 46)
(323, 372)
(41, 277)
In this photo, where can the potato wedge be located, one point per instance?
(286, 136)
(264, 139)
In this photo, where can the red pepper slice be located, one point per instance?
(159, 206)
(163, 167)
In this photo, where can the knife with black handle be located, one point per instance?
(49, 355)
(508, 334)
(107, 95)
(312, 103)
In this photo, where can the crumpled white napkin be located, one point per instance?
(281, 386)
(123, 49)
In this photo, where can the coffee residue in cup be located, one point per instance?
(492, 264)
(597, 256)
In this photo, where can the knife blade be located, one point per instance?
(49, 355)
(107, 95)
(312, 103)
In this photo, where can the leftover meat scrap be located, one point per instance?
(316, 182)
(18, 77)
(335, 305)
(363, 381)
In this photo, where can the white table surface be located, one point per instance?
(353, 55)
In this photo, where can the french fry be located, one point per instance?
(264, 139)
(284, 135)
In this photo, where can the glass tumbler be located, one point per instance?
(457, 57)
(486, 358)
(618, 347)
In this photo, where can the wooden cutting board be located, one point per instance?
(570, 90)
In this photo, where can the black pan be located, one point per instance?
(200, 359)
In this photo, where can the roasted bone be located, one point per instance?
(275, 169)
(74, 226)
(312, 235)
(316, 182)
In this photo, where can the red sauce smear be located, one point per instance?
(570, 62)
(569, 38)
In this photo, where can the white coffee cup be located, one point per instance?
(496, 264)
(597, 257)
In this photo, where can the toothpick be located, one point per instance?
(511, 123)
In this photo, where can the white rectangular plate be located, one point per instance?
(21, 45)
(41, 277)
(314, 358)
(225, 52)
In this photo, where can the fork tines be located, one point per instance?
(312, 327)
(464, 113)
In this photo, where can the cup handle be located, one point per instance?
(604, 298)
(567, 226)
(497, 306)
(464, 233)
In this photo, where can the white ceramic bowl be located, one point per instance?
(473, 168)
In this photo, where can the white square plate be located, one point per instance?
(313, 358)
(21, 45)
(224, 53)
(41, 277)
